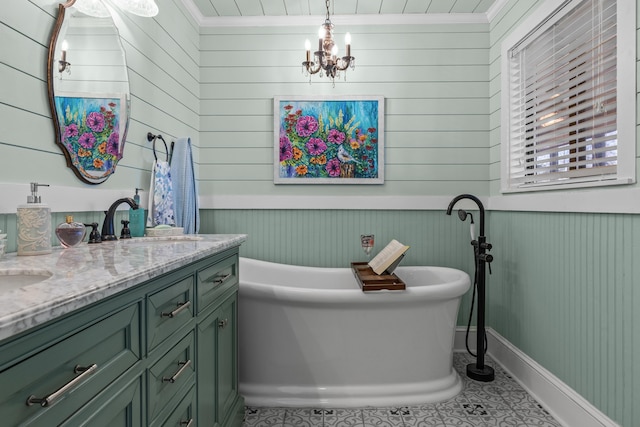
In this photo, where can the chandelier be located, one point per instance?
(325, 59)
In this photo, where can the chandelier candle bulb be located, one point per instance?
(347, 41)
(64, 48)
(307, 47)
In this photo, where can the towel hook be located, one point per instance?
(151, 137)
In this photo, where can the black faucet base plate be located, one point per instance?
(485, 374)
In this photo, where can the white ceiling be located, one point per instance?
(303, 12)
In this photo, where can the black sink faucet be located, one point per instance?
(107, 227)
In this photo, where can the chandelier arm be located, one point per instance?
(343, 63)
(310, 67)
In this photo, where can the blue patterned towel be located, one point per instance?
(161, 196)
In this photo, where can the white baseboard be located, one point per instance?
(564, 403)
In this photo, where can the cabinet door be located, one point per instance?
(217, 364)
(207, 345)
(226, 357)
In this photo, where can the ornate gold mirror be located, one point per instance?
(88, 89)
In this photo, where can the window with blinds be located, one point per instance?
(563, 125)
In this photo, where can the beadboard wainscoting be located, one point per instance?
(564, 290)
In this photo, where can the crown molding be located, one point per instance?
(369, 19)
(495, 8)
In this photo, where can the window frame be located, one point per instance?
(540, 19)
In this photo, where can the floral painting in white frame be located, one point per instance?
(329, 140)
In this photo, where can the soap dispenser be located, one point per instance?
(136, 217)
(34, 225)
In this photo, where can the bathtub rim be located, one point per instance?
(413, 294)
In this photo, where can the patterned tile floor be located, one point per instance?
(502, 403)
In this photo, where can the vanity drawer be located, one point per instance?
(116, 406)
(183, 415)
(169, 310)
(215, 279)
(171, 375)
(48, 387)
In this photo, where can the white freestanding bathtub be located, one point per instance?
(310, 337)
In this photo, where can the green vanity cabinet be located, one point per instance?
(161, 353)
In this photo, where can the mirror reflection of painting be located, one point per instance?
(88, 92)
(90, 129)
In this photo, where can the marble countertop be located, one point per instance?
(88, 273)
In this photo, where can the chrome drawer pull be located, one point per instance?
(175, 376)
(174, 313)
(223, 323)
(187, 423)
(217, 280)
(50, 400)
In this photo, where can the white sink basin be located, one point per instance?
(14, 279)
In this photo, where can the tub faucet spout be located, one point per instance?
(477, 202)
(107, 226)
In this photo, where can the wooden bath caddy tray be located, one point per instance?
(370, 281)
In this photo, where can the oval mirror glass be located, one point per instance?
(88, 89)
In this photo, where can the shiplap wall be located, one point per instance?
(163, 58)
(434, 79)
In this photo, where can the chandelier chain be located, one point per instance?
(327, 5)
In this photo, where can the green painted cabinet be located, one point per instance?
(161, 353)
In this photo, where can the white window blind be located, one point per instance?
(563, 82)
